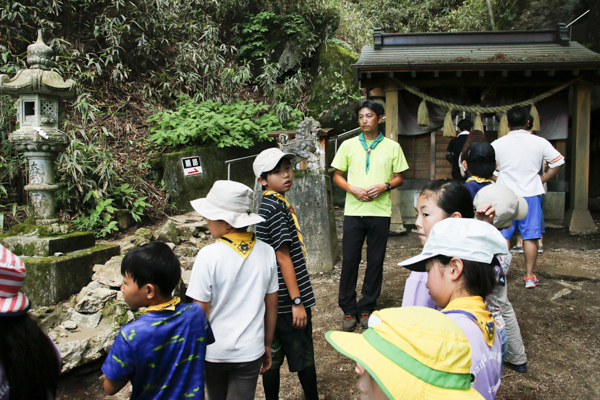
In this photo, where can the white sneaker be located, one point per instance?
(530, 282)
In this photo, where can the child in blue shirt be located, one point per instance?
(162, 352)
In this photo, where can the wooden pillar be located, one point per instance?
(578, 218)
(391, 132)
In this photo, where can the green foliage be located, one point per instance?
(211, 123)
(173, 46)
(89, 180)
(262, 32)
(99, 218)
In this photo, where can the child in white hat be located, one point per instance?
(461, 257)
(235, 282)
(281, 230)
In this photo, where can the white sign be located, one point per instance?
(191, 166)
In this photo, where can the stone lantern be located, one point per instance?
(40, 91)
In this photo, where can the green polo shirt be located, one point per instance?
(386, 158)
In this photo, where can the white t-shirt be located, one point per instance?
(519, 155)
(236, 289)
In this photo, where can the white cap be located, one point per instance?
(267, 160)
(464, 238)
(507, 204)
(228, 201)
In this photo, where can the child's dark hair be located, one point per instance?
(29, 359)
(465, 125)
(266, 174)
(482, 169)
(153, 263)
(479, 278)
(452, 196)
(376, 107)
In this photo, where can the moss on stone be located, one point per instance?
(334, 82)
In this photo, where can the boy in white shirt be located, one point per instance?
(235, 282)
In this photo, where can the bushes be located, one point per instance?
(211, 123)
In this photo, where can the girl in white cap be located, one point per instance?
(461, 261)
(29, 360)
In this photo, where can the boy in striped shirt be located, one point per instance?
(281, 230)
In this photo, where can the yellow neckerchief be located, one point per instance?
(168, 306)
(289, 206)
(474, 308)
(478, 179)
(242, 243)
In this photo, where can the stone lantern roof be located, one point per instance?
(38, 79)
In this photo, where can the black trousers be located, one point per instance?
(356, 229)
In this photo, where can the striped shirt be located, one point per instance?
(277, 229)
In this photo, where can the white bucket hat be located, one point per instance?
(464, 238)
(267, 160)
(507, 204)
(228, 201)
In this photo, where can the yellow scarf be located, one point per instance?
(478, 179)
(289, 206)
(242, 243)
(168, 306)
(474, 308)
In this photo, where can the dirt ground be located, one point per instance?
(558, 321)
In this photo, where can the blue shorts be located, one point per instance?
(530, 227)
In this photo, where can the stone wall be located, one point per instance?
(183, 188)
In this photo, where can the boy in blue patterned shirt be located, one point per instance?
(162, 352)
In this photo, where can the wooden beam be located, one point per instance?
(392, 126)
(578, 218)
(432, 157)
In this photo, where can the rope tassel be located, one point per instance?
(423, 114)
(478, 125)
(536, 118)
(503, 129)
(449, 129)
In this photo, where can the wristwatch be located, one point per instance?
(388, 187)
(297, 300)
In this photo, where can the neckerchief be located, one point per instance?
(474, 308)
(362, 140)
(168, 306)
(242, 243)
(289, 206)
(478, 179)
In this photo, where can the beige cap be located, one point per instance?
(507, 204)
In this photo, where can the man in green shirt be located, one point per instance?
(374, 165)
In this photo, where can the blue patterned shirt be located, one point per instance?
(162, 353)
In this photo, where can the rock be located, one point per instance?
(185, 277)
(79, 352)
(168, 233)
(186, 232)
(144, 233)
(87, 320)
(184, 251)
(126, 247)
(139, 241)
(334, 91)
(94, 300)
(69, 325)
(560, 293)
(48, 317)
(109, 274)
(171, 245)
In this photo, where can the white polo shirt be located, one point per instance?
(519, 155)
